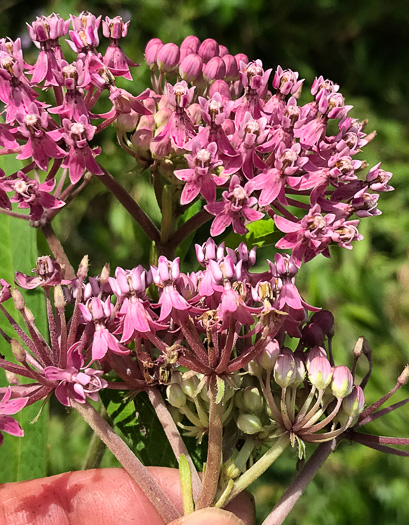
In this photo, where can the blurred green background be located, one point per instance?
(364, 47)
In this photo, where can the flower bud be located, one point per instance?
(208, 49)
(342, 381)
(232, 71)
(151, 52)
(175, 396)
(252, 400)
(325, 320)
(127, 121)
(190, 67)
(191, 42)
(254, 369)
(195, 113)
(320, 372)
(220, 86)
(83, 267)
(241, 57)
(249, 423)
(299, 372)
(59, 299)
(223, 50)
(269, 355)
(189, 385)
(230, 470)
(353, 404)
(404, 377)
(168, 57)
(215, 69)
(162, 116)
(142, 138)
(317, 351)
(284, 370)
(312, 335)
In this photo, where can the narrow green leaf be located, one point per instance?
(22, 458)
(186, 485)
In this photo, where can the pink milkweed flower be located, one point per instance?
(199, 177)
(75, 381)
(34, 195)
(179, 127)
(286, 81)
(135, 314)
(80, 156)
(5, 292)
(85, 32)
(166, 276)
(45, 32)
(7, 407)
(48, 273)
(115, 58)
(71, 77)
(103, 340)
(235, 208)
(40, 145)
(308, 237)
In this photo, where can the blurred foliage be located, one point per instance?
(364, 47)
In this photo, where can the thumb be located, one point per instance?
(209, 516)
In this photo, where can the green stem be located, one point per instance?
(260, 466)
(244, 454)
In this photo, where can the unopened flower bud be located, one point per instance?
(220, 86)
(208, 49)
(18, 351)
(249, 423)
(353, 404)
(342, 381)
(284, 370)
(195, 113)
(320, 372)
(168, 57)
(190, 67)
(312, 335)
(241, 57)
(142, 138)
(162, 116)
(191, 42)
(151, 52)
(269, 355)
(299, 372)
(215, 69)
(232, 71)
(127, 121)
(317, 351)
(175, 396)
(59, 299)
(325, 320)
(189, 385)
(254, 369)
(252, 400)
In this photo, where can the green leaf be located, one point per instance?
(140, 427)
(22, 458)
(260, 233)
(186, 485)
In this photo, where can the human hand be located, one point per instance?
(106, 497)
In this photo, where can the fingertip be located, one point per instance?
(209, 516)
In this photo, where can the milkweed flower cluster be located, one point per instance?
(234, 348)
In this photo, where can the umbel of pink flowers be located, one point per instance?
(223, 130)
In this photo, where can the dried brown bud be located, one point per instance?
(18, 351)
(18, 299)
